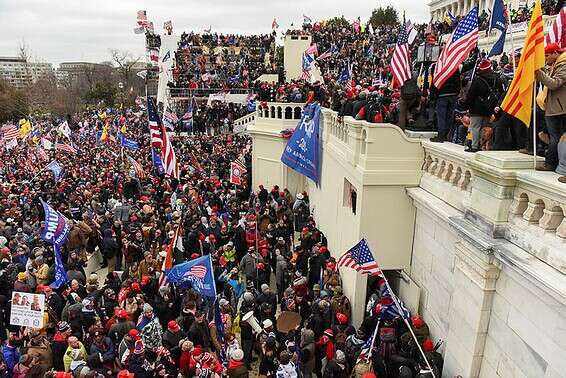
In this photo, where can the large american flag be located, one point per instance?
(308, 61)
(462, 40)
(360, 258)
(65, 147)
(169, 118)
(10, 132)
(154, 127)
(557, 33)
(365, 351)
(400, 63)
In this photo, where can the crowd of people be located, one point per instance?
(114, 317)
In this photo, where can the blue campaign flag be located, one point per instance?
(198, 273)
(389, 309)
(345, 75)
(157, 163)
(56, 228)
(220, 331)
(497, 48)
(302, 150)
(498, 17)
(128, 143)
(251, 106)
(60, 273)
(55, 168)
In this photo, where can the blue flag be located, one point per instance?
(198, 273)
(157, 163)
(56, 228)
(60, 273)
(220, 331)
(55, 168)
(498, 17)
(345, 75)
(128, 143)
(390, 311)
(497, 48)
(303, 148)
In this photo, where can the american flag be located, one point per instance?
(140, 173)
(328, 53)
(41, 154)
(360, 258)
(312, 49)
(65, 147)
(154, 127)
(10, 132)
(167, 154)
(462, 40)
(274, 24)
(557, 33)
(365, 351)
(400, 63)
(170, 117)
(189, 114)
(142, 15)
(390, 311)
(198, 271)
(308, 61)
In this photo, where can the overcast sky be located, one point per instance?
(84, 30)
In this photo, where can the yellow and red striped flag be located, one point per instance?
(519, 99)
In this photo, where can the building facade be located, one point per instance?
(19, 73)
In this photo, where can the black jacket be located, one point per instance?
(451, 86)
(484, 83)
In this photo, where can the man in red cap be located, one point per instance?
(171, 338)
(553, 101)
(483, 97)
(122, 326)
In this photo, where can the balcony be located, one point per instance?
(188, 93)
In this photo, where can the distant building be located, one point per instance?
(19, 72)
(78, 69)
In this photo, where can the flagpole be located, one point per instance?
(395, 300)
(374, 337)
(535, 125)
(512, 39)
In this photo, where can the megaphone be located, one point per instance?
(252, 321)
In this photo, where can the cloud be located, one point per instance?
(84, 30)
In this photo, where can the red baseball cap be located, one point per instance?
(134, 334)
(173, 326)
(553, 48)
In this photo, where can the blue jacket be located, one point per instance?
(11, 356)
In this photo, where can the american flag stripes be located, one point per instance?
(153, 120)
(170, 118)
(10, 132)
(557, 33)
(308, 61)
(140, 173)
(41, 154)
(365, 351)
(65, 147)
(359, 258)
(462, 40)
(400, 63)
(198, 271)
(328, 53)
(142, 15)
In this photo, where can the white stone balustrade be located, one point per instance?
(540, 200)
(241, 124)
(446, 174)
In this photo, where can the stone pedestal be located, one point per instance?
(470, 309)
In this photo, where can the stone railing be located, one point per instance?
(540, 200)
(446, 173)
(279, 110)
(241, 124)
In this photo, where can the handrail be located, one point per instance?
(203, 92)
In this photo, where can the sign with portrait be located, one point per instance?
(27, 309)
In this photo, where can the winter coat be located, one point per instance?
(281, 272)
(11, 356)
(110, 247)
(59, 347)
(308, 354)
(43, 351)
(555, 87)
(248, 266)
(237, 370)
(67, 357)
(107, 350)
(484, 84)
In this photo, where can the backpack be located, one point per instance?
(492, 99)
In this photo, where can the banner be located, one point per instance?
(56, 228)
(302, 150)
(27, 309)
(236, 172)
(519, 27)
(56, 169)
(129, 143)
(157, 163)
(197, 273)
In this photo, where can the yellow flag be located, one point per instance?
(25, 127)
(123, 129)
(519, 99)
(104, 136)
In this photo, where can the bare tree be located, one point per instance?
(24, 53)
(125, 65)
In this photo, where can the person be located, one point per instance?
(484, 95)
(552, 100)
(236, 367)
(446, 97)
(561, 168)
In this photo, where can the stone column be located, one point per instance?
(475, 276)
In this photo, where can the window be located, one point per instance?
(350, 198)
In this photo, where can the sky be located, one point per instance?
(58, 31)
